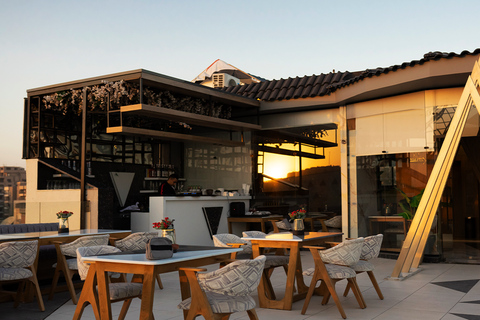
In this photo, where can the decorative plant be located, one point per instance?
(64, 214)
(297, 214)
(409, 205)
(164, 224)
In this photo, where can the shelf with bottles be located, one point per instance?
(152, 184)
(160, 171)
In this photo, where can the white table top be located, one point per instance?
(140, 258)
(55, 234)
(307, 236)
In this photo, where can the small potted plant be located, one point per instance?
(166, 227)
(297, 217)
(62, 216)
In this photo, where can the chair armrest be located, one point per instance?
(191, 269)
(314, 247)
(236, 245)
(275, 227)
(112, 240)
(332, 243)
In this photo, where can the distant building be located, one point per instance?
(12, 188)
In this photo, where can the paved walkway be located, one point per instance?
(439, 291)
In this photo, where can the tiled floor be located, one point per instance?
(439, 291)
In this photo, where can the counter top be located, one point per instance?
(203, 198)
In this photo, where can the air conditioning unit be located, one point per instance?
(221, 80)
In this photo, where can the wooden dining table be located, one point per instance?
(138, 264)
(294, 274)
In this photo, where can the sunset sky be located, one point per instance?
(52, 41)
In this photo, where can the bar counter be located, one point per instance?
(190, 224)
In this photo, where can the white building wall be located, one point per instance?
(42, 205)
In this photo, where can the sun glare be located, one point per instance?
(278, 166)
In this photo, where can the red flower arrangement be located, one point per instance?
(64, 214)
(164, 224)
(297, 214)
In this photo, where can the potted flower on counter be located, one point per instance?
(166, 228)
(62, 217)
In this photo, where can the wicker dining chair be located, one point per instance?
(331, 266)
(68, 266)
(137, 241)
(118, 291)
(370, 250)
(218, 294)
(17, 264)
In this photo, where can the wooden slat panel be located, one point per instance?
(187, 117)
(173, 136)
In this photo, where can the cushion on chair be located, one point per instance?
(135, 241)
(284, 224)
(254, 234)
(7, 274)
(71, 263)
(19, 254)
(275, 260)
(334, 272)
(239, 278)
(70, 249)
(121, 290)
(91, 251)
(335, 222)
(223, 304)
(221, 240)
(371, 247)
(346, 253)
(363, 266)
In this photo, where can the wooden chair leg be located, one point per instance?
(38, 293)
(20, 289)
(56, 276)
(357, 292)
(159, 281)
(125, 306)
(252, 314)
(311, 289)
(333, 293)
(71, 288)
(375, 284)
(347, 289)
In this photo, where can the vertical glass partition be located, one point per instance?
(389, 188)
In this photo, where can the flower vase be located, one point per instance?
(298, 227)
(63, 225)
(170, 234)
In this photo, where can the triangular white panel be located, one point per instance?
(122, 181)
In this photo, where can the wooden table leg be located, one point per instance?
(146, 309)
(103, 292)
(286, 302)
(184, 289)
(229, 227)
(292, 271)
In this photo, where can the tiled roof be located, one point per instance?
(324, 84)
